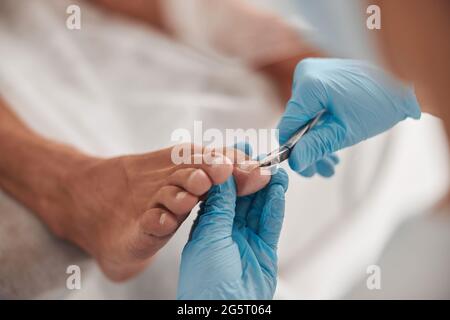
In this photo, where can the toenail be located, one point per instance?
(220, 161)
(247, 166)
(196, 174)
(180, 195)
(217, 160)
(162, 218)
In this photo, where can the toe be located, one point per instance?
(158, 222)
(194, 181)
(248, 182)
(217, 166)
(176, 200)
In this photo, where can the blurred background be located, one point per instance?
(120, 85)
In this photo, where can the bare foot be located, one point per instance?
(123, 210)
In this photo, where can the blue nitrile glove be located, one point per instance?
(361, 101)
(232, 250)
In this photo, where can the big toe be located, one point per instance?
(218, 167)
(248, 182)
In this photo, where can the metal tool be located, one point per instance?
(279, 155)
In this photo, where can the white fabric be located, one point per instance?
(118, 87)
(415, 263)
(217, 26)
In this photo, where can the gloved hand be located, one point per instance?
(361, 101)
(232, 250)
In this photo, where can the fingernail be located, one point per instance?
(162, 218)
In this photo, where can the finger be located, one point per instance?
(272, 214)
(281, 178)
(243, 205)
(321, 141)
(307, 100)
(217, 213)
(176, 200)
(325, 167)
(158, 222)
(293, 119)
(308, 172)
(194, 181)
(254, 213)
(260, 198)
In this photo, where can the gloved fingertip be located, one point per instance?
(228, 186)
(271, 219)
(296, 166)
(293, 163)
(302, 156)
(325, 169)
(226, 189)
(280, 178)
(308, 172)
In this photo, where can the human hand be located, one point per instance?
(232, 250)
(361, 101)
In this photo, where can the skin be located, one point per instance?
(423, 58)
(121, 210)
